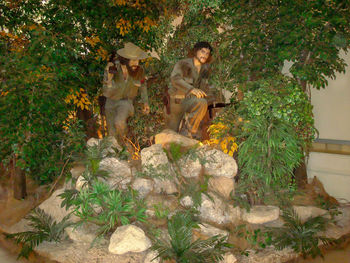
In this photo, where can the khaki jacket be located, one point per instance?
(185, 77)
(116, 88)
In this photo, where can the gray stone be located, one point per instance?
(209, 230)
(305, 212)
(164, 186)
(343, 219)
(154, 161)
(218, 163)
(85, 233)
(110, 140)
(77, 170)
(143, 186)
(229, 258)
(115, 167)
(149, 256)
(52, 207)
(167, 137)
(222, 186)
(128, 238)
(190, 167)
(235, 214)
(214, 211)
(261, 214)
(186, 201)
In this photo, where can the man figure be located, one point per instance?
(189, 90)
(122, 80)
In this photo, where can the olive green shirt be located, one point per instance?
(116, 88)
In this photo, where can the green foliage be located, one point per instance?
(182, 249)
(44, 229)
(161, 211)
(256, 238)
(194, 189)
(302, 237)
(105, 207)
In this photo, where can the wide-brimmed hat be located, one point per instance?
(131, 51)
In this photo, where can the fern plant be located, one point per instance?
(302, 237)
(181, 249)
(44, 229)
(105, 207)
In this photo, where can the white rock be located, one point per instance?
(128, 238)
(93, 142)
(218, 163)
(52, 207)
(77, 170)
(222, 186)
(305, 212)
(343, 219)
(85, 233)
(115, 167)
(235, 214)
(210, 231)
(229, 258)
(186, 201)
(80, 183)
(111, 141)
(167, 137)
(154, 161)
(216, 211)
(117, 182)
(143, 186)
(149, 256)
(164, 186)
(261, 214)
(190, 167)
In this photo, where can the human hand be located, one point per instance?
(146, 108)
(198, 93)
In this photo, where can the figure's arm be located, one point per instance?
(144, 95)
(178, 81)
(107, 80)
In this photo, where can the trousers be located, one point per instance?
(117, 113)
(195, 108)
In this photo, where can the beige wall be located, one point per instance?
(332, 119)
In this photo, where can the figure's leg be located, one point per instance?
(172, 120)
(124, 110)
(196, 109)
(110, 112)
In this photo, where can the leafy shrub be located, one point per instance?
(107, 208)
(44, 229)
(302, 237)
(182, 249)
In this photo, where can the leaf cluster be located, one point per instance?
(302, 237)
(181, 248)
(44, 229)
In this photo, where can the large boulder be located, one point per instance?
(260, 214)
(218, 163)
(190, 166)
(167, 137)
(214, 210)
(149, 258)
(166, 186)
(143, 186)
(115, 167)
(128, 238)
(111, 145)
(222, 186)
(229, 258)
(306, 212)
(209, 230)
(85, 233)
(155, 162)
(52, 207)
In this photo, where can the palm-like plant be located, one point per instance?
(303, 237)
(181, 249)
(44, 229)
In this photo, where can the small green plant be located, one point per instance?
(181, 249)
(302, 237)
(44, 229)
(256, 238)
(326, 204)
(161, 211)
(104, 207)
(194, 189)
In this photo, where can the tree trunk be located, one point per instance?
(19, 183)
(300, 174)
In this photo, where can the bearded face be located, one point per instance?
(202, 55)
(133, 67)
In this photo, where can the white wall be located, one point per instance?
(332, 119)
